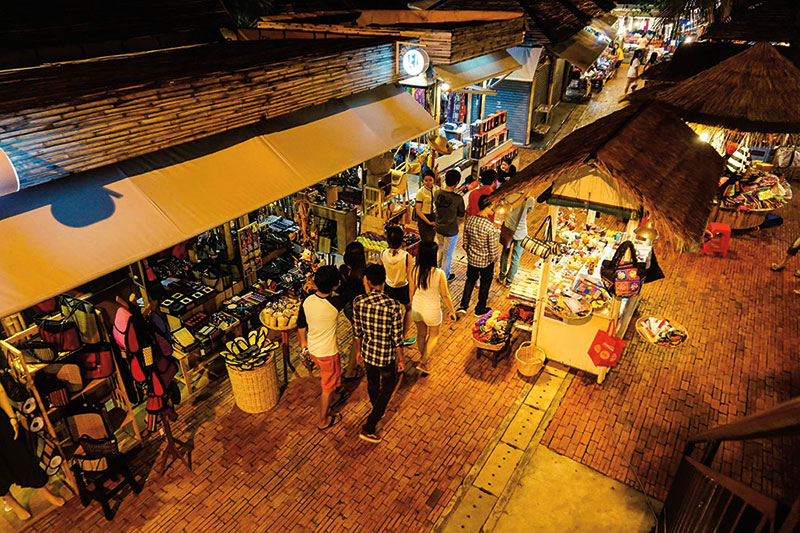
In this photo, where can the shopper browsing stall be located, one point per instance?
(633, 71)
(316, 331)
(488, 183)
(378, 332)
(449, 209)
(426, 218)
(515, 227)
(480, 243)
(429, 289)
(398, 263)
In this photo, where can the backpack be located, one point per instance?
(124, 332)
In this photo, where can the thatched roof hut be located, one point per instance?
(650, 154)
(757, 90)
(765, 20)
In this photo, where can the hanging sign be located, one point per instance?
(414, 61)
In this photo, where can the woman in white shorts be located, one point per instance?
(428, 289)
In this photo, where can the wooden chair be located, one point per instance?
(97, 458)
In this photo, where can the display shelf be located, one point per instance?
(91, 387)
(494, 153)
(495, 130)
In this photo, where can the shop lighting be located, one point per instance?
(647, 231)
(705, 137)
(445, 87)
(9, 179)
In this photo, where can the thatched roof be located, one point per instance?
(693, 58)
(756, 90)
(651, 154)
(767, 20)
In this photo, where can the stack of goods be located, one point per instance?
(484, 143)
(281, 314)
(526, 286)
(492, 328)
(757, 190)
(522, 313)
(244, 306)
(250, 353)
(222, 320)
(661, 332)
(594, 293)
(488, 124)
(253, 382)
(569, 305)
(375, 244)
(182, 295)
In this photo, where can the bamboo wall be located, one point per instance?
(93, 129)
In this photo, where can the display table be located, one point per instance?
(568, 342)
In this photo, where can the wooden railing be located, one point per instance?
(701, 499)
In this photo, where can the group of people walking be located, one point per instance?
(382, 299)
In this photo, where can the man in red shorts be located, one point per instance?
(316, 330)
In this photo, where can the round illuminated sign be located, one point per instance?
(414, 61)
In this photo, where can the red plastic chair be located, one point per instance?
(719, 241)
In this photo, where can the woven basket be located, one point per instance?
(255, 390)
(530, 359)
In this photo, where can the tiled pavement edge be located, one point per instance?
(489, 484)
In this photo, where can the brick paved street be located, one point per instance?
(275, 471)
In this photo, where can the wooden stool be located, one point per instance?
(492, 352)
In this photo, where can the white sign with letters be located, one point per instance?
(414, 61)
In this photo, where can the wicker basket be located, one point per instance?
(255, 390)
(530, 359)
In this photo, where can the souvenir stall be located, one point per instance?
(582, 294)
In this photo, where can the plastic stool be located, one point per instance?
(720, 240)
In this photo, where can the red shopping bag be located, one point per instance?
(606, 347)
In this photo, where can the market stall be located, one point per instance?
(598, 169)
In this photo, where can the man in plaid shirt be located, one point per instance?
(481, 244)
(378, 332)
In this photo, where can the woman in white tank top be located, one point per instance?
(397, 263)
(428, 289)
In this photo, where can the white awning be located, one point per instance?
(583, 48)
(476, 70)
(62, 234)
(528, 57)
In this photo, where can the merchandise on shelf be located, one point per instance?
(374, 244)
(489, 123)
(756, 191)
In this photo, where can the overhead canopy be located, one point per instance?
(675, 179)
(583, 48)
(528, 57)
(756, 90)
(476, 70)
(588, 186)
(65, 233)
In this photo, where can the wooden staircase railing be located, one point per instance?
(701, 499)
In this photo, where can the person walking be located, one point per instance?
(316, 332)
(449, 209)
(398, 263)
(426, 219)
(480, 243)
(429, 289)
(379, 344)
(516, 226)
(633, 71)
(352, 271)
(790, 252)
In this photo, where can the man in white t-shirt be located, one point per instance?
(316, 331)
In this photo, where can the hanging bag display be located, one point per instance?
(541, 242)
(124, 332)
(38, 351)
(623, 278)
(83, 314)
(61, 335)
(96, 361)
(606, 348)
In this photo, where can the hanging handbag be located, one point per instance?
(67, 373)
(16, 391)
(606, 347)
(62, 335)
(51, 390)
(39, 351)
(623, 278)
(83, 314)
(541, 243)
(47, 307)
(96, 361)
(124, 332)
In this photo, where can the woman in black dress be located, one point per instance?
(355, 263)
(18, 466)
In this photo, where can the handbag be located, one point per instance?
(83, 314)
(124, 332)
(16, 391)
(623, 279)
(541, 243)
(41, 351)
(606, 347)
(62, 335)
(103, 447)
(506, 236)
(47, 307)
(96, 361)
(52, 391)
(67, 373)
